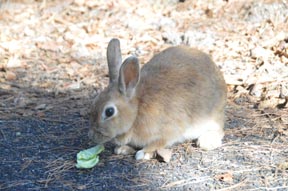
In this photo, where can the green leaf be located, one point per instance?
(89, 158)
(90, 153)
(87, 163)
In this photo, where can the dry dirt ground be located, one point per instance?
(52, 63)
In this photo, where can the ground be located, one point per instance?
(53, 62)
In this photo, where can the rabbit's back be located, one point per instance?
(183, 79)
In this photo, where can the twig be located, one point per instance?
(3, 135)
(184, 182)
(232, 187)
(266, 188)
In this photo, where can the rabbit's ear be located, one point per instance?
(114, 59)
(129, 76)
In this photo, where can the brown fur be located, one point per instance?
(177, 87)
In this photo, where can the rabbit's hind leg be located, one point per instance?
(212, 138)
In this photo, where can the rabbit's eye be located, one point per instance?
(109, 112)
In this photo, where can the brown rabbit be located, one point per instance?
(179, 95)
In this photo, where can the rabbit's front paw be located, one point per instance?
(210, 140)
(140, 155)
(124, 150)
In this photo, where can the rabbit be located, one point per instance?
(179, 95)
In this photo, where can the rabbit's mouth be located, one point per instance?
(98, 137)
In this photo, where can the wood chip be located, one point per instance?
(164, 155)
(226, 177)
(10, 76)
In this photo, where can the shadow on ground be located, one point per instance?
(38, 151)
